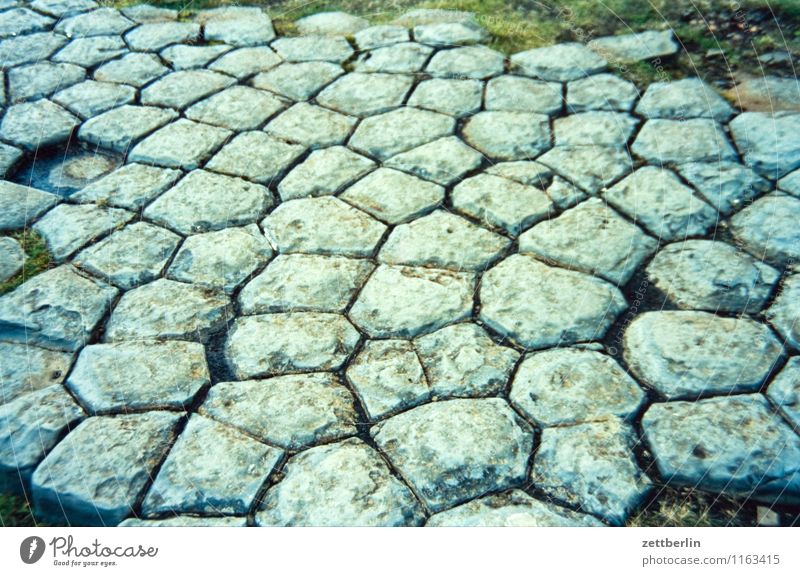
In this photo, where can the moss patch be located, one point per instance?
(37, 259)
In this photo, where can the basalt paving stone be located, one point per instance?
(144, 13)
(153, 36)
(221, 260)
(682, 99)
(678, 141)
(130, 257)
(203, 202)
(443, 240)
(313, 49)
(734, 445)
(36, 47)
(559, 63)
(343, 484)
(41, 79)
(305, 283)
(449, 34)
(387, 377)
(237, 25)
(170, 310)
(147, 375)
(380, 35)
(728, 186)
(22, 21)
(592, 168)
(289, 342)
(91, 98)
(34, 125)
(791, 183)
(298, 81)
(324, 172)
(71, 486)
(386, 135)
(476, 62)
(312, 126)
(647, 45)
(89, 52)
(100, 22)
(25, 368)
(19, 205)
(131, 186)
(237, 108)
(9, 158)
(135, 69)
(256, 156)
(784, 313)
(597, 128)
(768, 142)
(784, 391)
(601, 92)
(180, 89)
(186, 521)
(244, 62)
(331, 24)
(443, 161)
(183, 57)
(712, 276)
(454, 97)
(292, 411)
(119, 128)
(553, 306)
(685, 354)
(508, 135)
(591, 238)
(405, 58)
(523, 171)
(12, 256)
(361, 94)
(456, 450)
(519, 94)
(393, 196)
(768, 229)
(57, 309)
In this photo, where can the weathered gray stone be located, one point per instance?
(212, 468)
(448, 96)
(131, 186)
(550, 306)
(712, 276)
(735, 445)
(41, 79)
(100, 22)
(89, 52)
(508, 135)
(32, 425)
(324, 225)
(289, 342)
(444, 160)
(185, 521)
(477, 62)
(392, 196)
(767, 94)
(245, 62)
(461, 360)
(387, 377)
(168, 310)
(404, 58)
(449, 34)
(25, 369)
(12, 257)
(256, 156)
(595, 128)
(331, 24)
(512, 508)
(443, 240)
(601, 92)
(35, 125)
(768, 229)
(344, 484)
(119, 128)
(791, 183)
(678, 141)
(91, 98)
(72, 484)
(153, 36)
(381, 35)
(768, 142)
(784, 391)
(298, 81)
(456, 450)
(312, 126)
(68, 227)
(590, 167)
(682, 99)
(727, 186)
(135, 69)
(689, 354)
(291, 411)
(566, 386)
(523, 171)
(9, 158)
(388, 134)
(202, 202)
(501, 202)
(402, 301)
(592, 466)
(237, 25)
(74, 171)
(784, 313)
(22, 21)
(30, 48)
(305, 282)
(657, 199)
(324, 172)
(647, 45)
(145, 375)
(183, 57)
(180, 89)
(519, 94)
(221, 260)
(362, 94)
(559, 63)
(237, 108)
(591, 238)
(313, 49)
(130, 257)
(61, 8)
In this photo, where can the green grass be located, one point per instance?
(15, 511)
(37, 259)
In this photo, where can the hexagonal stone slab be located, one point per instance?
(767, 228)
(58, 309)
(168, 310)
(313, 49)
(567, 386)
(344, 484)
(246, 61)
(591, 238)
(508, 135)
(41, 79)
(443, 240)
(19, 205)
(768, 141)
(35, 47)
(403, 58)
(592, 466)
(289, 342)
(388, 134)
(678, 141)
(237, 108)
(448, 96)
(392, 196)
(237, 25)
(136, 69)
(559, 63)
(512, 508)
(212, 468)
(734, 445)
(9, 158)
(540, 306)
(784, 391)
(456, 450)
(791, 183)
(255, 156)
(291, 411)
(202, 202)
(443, 161)
(25, 369)
(477, 62)
(91, 98)
(601, 92)
(596, 128)
(402, 301)
(387, 377)
(117, 129)
(324, 225)
(324, 172)
(180, 89)
(647, 45)
(727, 186)
(361, 94)
(380, 35)
(690, 354)
(784, 313)
(712, 276)
(182, 144)
(519, 94)
(304, 283)
(153, 36)
(182, 57)
(312, 126)
(592, 168)
(682, 99)
(100, 22)
(130, 257)
(131, 186)
(12, 257)
(72, 484)
(298, 81)
(89, 52)
(33, 125)
(130, 376)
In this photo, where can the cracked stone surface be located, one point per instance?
(387, 231)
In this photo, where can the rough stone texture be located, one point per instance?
(685, 354)
(9, 158)
(682, 99)
(597, 128)
(22, 21)
(292, 411)
(91, 98)
(592, 466)
(36, 47)
(477, 62)
(182, 57)
(72, 484)
(312, 126)
(712, 276)
(237, 25)
(19, 205)
(289, 342)
(313, 49)
(734, 445)
(57, 309)
(443, 161)
(784, 313)
(784, 391)
(389, 134)
(117, 129)
(256, 156)
(767, 94)
(100, 22)
(89, 52)
(768, 142)
(448, 96)
(245, 62)
(601, 92)
(39, 124)
(449, 33)
(331, 24)
(678, 141)
(406, 58)
(41, 79)
(24, 369)
(519, 94)
(136, 69)
(567, 386)
(791, 183)
(237, 108)
(145, 375)
(559, 63)
(727, 186)
(153, 36)
(508, 135)
(456, 450)
(181, 521)
(552, 306)
(168, 310)
(363, 94)
(12, 257)
(344, 484)
(132, 186)
(381, 35)
(298, 81)
(180, 89)
(402, 301)
(647, 45)
(768, 228)
(592, 168)
(324, 172)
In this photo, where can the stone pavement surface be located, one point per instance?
(384, 275)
